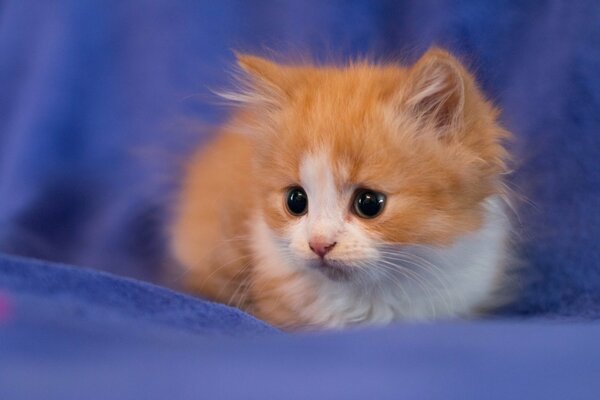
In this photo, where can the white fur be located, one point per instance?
(390, 282)
(326, 217)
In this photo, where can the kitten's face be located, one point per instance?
(355, 162)
(329, 223)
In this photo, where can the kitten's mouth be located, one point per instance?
(333, 270)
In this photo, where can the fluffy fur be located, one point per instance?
(422, 135)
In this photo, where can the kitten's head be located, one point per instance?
(353, 159)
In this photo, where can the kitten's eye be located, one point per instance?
(297, 201)
(368, 204)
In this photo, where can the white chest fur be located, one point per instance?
(426, 282)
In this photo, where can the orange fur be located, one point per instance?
(437, 156)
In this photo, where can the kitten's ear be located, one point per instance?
(437, 86)
(260, 68)
(268, 81)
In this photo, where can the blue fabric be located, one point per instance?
(102, 100)
(67, 333)
(40, 291)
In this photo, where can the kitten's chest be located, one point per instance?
(305, 300)
(311, 299)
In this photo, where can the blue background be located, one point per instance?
(101, 101)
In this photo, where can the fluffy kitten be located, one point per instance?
(348, 195)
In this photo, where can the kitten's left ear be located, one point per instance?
(268, 80)
(261, 68)
(436, 91)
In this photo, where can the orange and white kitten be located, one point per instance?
(360, 194)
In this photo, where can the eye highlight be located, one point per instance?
(296, 201)
(368, 203)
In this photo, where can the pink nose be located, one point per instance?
(321, 248)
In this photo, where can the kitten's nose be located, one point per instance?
(320, 247)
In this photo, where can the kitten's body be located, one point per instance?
(423, 136)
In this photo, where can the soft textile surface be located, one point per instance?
(101, 101)
(34, 290)
(67, 334)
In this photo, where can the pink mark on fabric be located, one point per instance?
(5, 308)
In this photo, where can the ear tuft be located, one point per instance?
(258, 67)
(436, 91)
(259, 83)
(266, 73)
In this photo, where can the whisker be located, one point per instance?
(389, 275)
(218, 246)
(425, 261)
(417, 260)
(220, 267)
(416, 277)
(243, 284)
(429, 267)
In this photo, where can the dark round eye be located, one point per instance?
(296, 201)
(368, 204)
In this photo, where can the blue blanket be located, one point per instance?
(69, 333)
(101, 101)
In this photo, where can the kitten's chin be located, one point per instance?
(334, 270)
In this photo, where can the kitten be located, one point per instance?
(349, 195)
